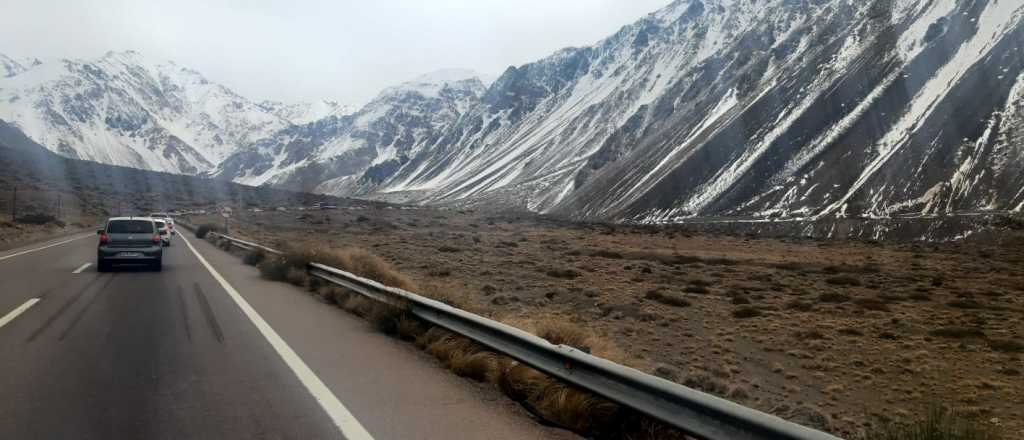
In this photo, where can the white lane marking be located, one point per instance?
(343, 419)
(14, 313)
(83, 268)
(43, 247)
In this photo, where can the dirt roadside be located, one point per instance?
(834, 335)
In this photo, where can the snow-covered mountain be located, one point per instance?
(306, 112)
(711, 108)
(332, 154)
(124, 109)
(770, 108)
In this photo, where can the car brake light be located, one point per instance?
(104, 237)
(156, 238)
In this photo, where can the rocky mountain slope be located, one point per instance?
(778, 108)
(306, 112)
(336, 153)
(95, 190)
(125, 109)
(807, 109)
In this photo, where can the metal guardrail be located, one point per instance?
(247, 245)
(242, 244)
(695, 413)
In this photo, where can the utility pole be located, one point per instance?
(58, 206)
(14, 205)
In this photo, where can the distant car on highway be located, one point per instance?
(130, 240)
(167, 218)
(165, 230)
(325, 205)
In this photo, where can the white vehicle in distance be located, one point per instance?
(167, 219)
(164, 229)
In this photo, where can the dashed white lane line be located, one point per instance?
(16, 254)
(18, 311)
(343, 419)
(83, 268)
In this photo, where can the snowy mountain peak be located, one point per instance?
(446, 76)
(432, 84)
(306, 112)
(125, 109)
(9, 67)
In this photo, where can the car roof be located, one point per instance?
(129, 218)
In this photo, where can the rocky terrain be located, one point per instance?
(721, 108)
(833, 334)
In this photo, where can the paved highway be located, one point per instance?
(205, 349)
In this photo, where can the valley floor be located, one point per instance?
(831, 334)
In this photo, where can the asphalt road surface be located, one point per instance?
(206, 349)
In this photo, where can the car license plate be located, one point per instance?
(130, 254)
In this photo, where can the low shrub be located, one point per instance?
(254, 257)
(40, 219)
(667, 298)
(567, 274)
(833, 298)
(744, 312)
(843, 280)
(604, 253)
(873, 304)
(957, 332)
(1006, 346)
(204, 229)
(939, 424)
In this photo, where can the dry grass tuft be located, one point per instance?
(939, 424)
(479, 366)
(410, 328)
(297, 277)
(667, 298)
(356, 261)
(957, 332)
(560, 332)
(254, 257)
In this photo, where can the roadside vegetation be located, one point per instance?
(753, 293)
(545, 397)
(939, 424)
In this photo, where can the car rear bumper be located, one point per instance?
(129, 255)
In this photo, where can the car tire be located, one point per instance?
(102, 266)
(158, 266)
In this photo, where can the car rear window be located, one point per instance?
(159, 224)
(130, 227)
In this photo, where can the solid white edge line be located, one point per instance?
(83, 268)
(343, 419)
(43, 247)
(18, 311)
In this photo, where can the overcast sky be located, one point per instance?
(307, 49)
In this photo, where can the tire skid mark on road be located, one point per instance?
(184, 312)
(211, 319)
(63, 308)
(81, 313)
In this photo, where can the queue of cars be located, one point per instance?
(134, 241)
